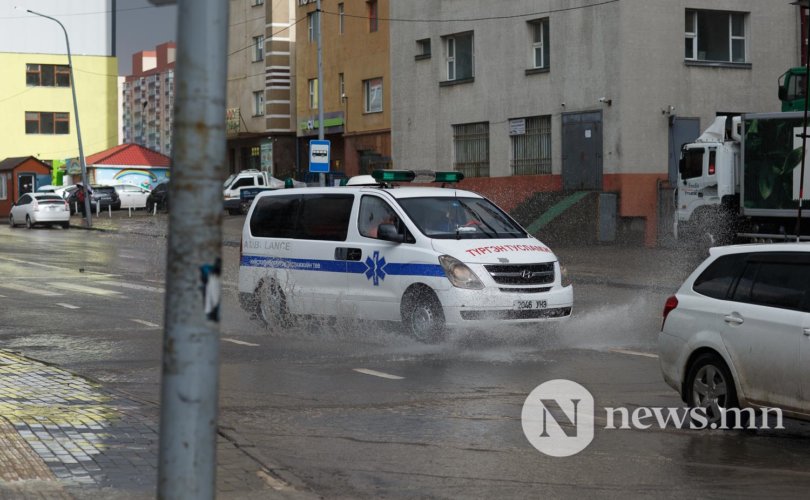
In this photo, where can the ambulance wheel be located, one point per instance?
(422, 314)
(271, 306)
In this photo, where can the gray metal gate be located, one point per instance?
(681, 131)
(582, 150)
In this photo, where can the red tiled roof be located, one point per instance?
(133, 155)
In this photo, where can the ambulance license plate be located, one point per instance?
(530, 304)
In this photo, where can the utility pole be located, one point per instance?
(190, 366)
(87, 210)
(321, 177)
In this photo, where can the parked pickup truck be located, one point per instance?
(247, 195)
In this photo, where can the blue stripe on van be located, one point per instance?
(338, 266)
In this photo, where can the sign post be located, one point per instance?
(319, 152)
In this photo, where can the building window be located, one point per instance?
(459, 56)
(341, 87)
(717, 36)
(312, 26)
(258, 2)
(373, 20)
(37, 122)
(47, 75)
(3, 186)
(372, 92)
(258, 103)
(423, 48)
(313, 93)
(258, 48)
(531, 145)
(539, 32)
(471, 149)
(341, 19)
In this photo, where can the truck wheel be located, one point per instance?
(422, 314)
(233, 211)
(271, 306)
(243, 208)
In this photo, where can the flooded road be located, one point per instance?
(358, 410)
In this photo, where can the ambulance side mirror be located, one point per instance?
(388, 232)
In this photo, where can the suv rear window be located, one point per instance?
(775, 284)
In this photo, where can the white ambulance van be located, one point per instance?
(429, 257)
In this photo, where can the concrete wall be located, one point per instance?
(87, 23)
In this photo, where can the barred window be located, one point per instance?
(471, 149)
(3, 187)
(38, 122)
(531, 146)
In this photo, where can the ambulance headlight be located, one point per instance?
(565, 276)
(459, 274)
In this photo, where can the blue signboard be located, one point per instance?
(319, 156)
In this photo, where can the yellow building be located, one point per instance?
(356, 86)
(38, 118)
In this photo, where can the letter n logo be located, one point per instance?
(557, 418)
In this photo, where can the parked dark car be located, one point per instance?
(107, 196)
(159, 196)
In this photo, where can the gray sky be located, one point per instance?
(142, 26)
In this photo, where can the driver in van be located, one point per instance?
(373, 214)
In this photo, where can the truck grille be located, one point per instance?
(522, 274)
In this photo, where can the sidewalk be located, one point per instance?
(62, 436)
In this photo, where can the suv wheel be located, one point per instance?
(709, 385)
(28, 222)
(11, 221)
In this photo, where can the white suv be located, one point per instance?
(737, 332)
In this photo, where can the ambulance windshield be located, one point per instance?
(460, 218)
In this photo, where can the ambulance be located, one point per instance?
(432, 258)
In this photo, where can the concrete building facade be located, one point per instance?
(147, 98)
(543, 95)
(357, 83)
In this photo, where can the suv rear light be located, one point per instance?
(669, 306)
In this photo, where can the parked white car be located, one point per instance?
(132, 196)
(40, 208)
(737, 332)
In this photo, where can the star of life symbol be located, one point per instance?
(375, 269)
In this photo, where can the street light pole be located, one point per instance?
(88, 212)
(321, 177)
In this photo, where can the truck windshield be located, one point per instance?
(228, 181)
(460, 218)
(692, 163)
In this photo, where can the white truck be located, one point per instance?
(742, 182)
(233, 187)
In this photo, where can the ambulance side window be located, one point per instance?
(276, 217)
(325, 217)
(373, 212)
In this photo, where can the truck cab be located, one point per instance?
(233, 186)
(707, 174)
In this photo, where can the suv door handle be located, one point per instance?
(733, 319)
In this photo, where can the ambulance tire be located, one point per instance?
(271, 305)
(422, 314)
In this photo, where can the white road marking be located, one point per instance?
(28, 289)
(48, 266)
(67, 306)
(375, 373)
(133, 286)
(634, 353)
(145, 323)
(234, 341)
(85, 289)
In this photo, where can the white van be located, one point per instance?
(427, 256)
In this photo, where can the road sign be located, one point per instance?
(319, 156)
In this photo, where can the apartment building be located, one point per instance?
(356, 83)
(147, 99)
(538, 95)
(38, 117)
